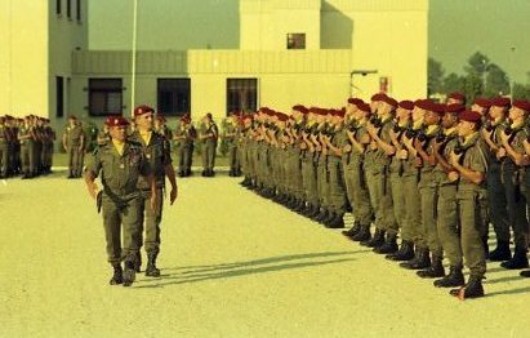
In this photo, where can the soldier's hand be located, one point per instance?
(93, 190)
(453, 176)
(501, 153)
(454, 159)
(153, 202)
(173, 195)
(403, 154)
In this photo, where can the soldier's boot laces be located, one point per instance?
(151, 270)
(473, 289)
(436, 269)
(377, 240)
(519, 260)
(117, 277)
(405, 252)
(129, 275)
(453, 279)
(501, 252)
(390, 245)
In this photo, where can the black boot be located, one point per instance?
(377, 240)
(353, 230)
(473, 289)
(363, 234)
(405, 252)
(436, 269)
(138, 262)
(421, 261)
(519, 260)
(455, 278)
(525, 274)
(322, 216)
(390, 246)
(501, 253)
(151, 270)
(117, 277)
(331, 217)
(338, 222)
(315, 211)
(129, 275)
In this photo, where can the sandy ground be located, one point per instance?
(233, 265)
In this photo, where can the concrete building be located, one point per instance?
(254, 53)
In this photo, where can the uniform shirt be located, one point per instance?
(73, 135)
(24, 131)
(119, 173)
(446, 148)
(157, 154)
(378, 159)
(474, 158)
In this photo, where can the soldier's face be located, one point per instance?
(449, 120)
(145, 121)
(118, 133)
(465, 128)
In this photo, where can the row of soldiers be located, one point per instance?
(26, 146)
(436, 175)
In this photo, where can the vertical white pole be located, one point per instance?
(133, 71)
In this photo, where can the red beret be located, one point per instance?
(378, 97)
(424, 104)
(390, 101)
(406, 104)
(522, 104)
(455, 108)
(502, 102)
(355, 101)
(143, 109)
(300, 108)
(438, 108)
(365, 107)
(470, 116)
(457, 96)
(117, 121)
(282, 117)
(482, 102)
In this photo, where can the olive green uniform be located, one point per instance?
(4, 151)
(209, 146)
(74, 138)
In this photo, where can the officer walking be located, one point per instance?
(120, 164)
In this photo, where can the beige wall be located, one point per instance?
(23, 57)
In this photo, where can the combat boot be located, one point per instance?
(435, 270)
(525, 274)
(337, 223)
(390, 246)
(353, 230)
(322, 215)
(129, 275)
(519, 260)
(453, 279)
(315, 211)
(331, 217)
(405, 252)
(151, 270)
(377, 240)
(138, 262)
(363, 234)
(501, 252)
(473, 289)
(117, 277)
(421, 261)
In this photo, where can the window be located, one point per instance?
(59, 96)
(78, 10)
(58, 7)
(105, 97)
(296, 41)
(174, 96)
(69, 8)
(241, 95)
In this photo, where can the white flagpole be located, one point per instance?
(133, 71)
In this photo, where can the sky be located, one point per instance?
(499, 29)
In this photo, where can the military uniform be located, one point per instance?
(209, 147)
(73, 139)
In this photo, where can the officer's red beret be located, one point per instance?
(282, 117)
(406, 104)
(502, 102)
(143, 109)
(438, 108)
(355, 101)
(482, 102)
(455, 108)
(117, 121)
(457, 96)
(470, 116)
(424, 104)
(365, 107)
(522, 104)
(378, 97)
(300, 108)
(390, 101)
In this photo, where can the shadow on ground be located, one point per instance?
(199, 273)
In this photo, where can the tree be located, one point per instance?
(453, 83)
(497, 81)
(477, 64)
(435, 77)
(521, 92)
(473, 87)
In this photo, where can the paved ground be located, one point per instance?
(234, 265)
